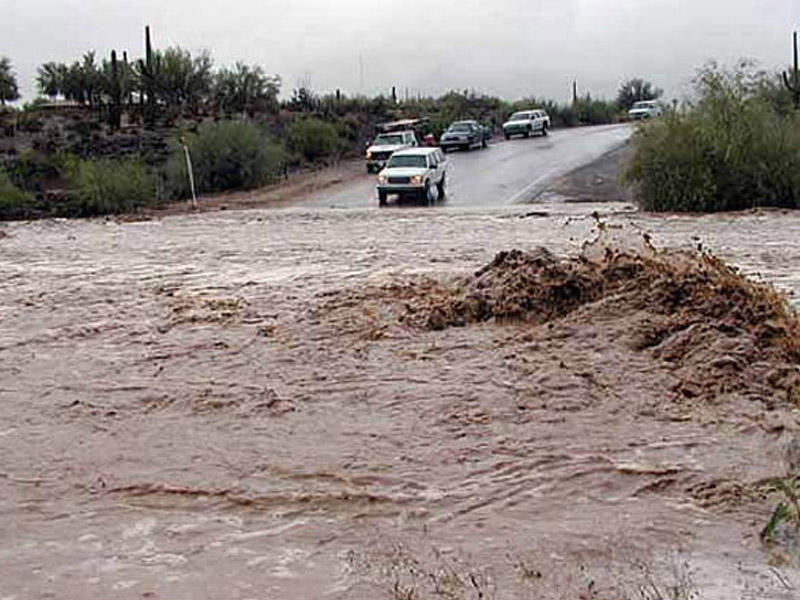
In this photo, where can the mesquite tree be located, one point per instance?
(635, 90)
(9, 91)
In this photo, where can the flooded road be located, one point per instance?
(507, 172)
(227, 405)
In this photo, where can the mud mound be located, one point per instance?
(516, 285)
(689, 289)
(690, 309)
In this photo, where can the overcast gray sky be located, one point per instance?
(511, 48)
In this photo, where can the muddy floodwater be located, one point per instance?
(243, 405)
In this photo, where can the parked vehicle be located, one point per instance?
(465, 135)
(386, 144)
(419, 126)
(644, 109)
(526, 123)
(414, 172)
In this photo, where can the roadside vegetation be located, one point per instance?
(227, 155)
(736, 147)
(14, 203)
(314, 139)
(106, 186)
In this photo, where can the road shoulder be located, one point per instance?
(596, 182)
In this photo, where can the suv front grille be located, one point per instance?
(399, 180)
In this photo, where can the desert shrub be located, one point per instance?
(30, 123)
(730, 151)
(589, 111)
(226, 155)
(14, 202)
(313, 139)
(98, 187)
(28, 169)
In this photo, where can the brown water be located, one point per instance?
(216, 406)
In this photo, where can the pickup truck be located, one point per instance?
(465, 135)
(526, 123)
(386, 144)
(414, 172)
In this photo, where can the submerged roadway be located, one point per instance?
(507, 172)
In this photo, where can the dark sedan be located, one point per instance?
(465, 135)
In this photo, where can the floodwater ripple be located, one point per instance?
(223, 405)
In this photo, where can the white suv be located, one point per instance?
(526, 123)
(417, 172)
(644, 109)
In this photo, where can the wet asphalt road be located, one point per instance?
(507, 172)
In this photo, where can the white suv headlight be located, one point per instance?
(381, 178)
(417, 179)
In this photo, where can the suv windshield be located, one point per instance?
(520, 116)
(643, 104)
(407, 160)
(460, 127)
(388, 140)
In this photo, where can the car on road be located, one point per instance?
(386, 144)
(644, 109)
(414, 172)
(465, 135)
(526, 123)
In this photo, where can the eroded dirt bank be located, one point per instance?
(301, 404)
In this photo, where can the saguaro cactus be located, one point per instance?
(116, 93)
(792, 82)
(126, 79)
(149, 73)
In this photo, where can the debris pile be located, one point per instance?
(691, 309)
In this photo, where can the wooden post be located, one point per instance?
(189, 170)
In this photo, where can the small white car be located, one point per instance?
(526, 123)
(414, 172)
(644, 109)
(386, 144)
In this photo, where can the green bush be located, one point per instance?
(28, 169)
(225, 156)
(730, 151)
(14, 202)
(313, 139)
(98, 187)
(589, 111)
